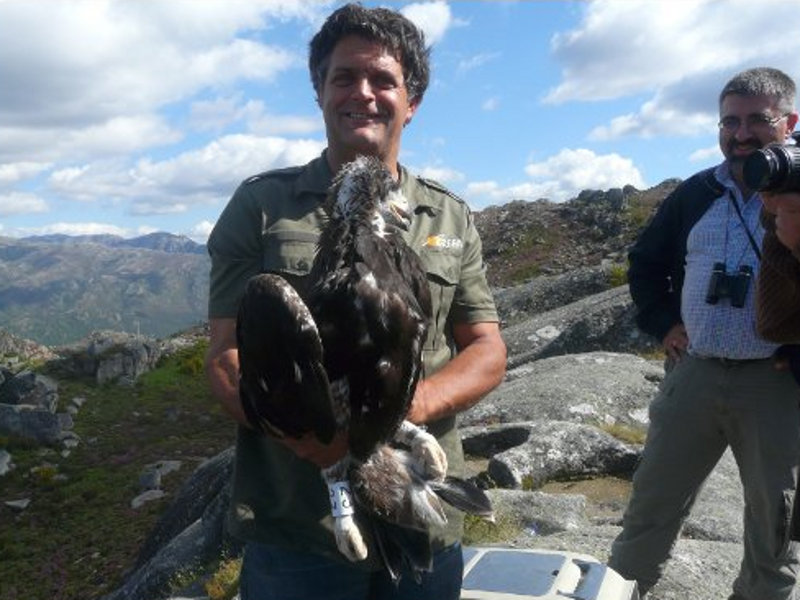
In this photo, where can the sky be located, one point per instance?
(134, 116)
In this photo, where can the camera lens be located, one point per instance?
(773, 169)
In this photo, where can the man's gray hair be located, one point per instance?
(763, 81)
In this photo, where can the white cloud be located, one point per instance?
(484, 193)
(19, 171)
(678, 53)
(206, 175)
(83, 78)
(21, 203)
(74, 229)
(217, 114)
(475, 62)
(269, 124)
(201, 231)
(433, 18)
(443, 175)
(576, 170)
(559, 178)
(74, 61)
(705, 155)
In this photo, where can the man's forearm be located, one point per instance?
(222, 367)
(475, 371)
(225, 387)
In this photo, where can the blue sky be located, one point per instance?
(127, 117)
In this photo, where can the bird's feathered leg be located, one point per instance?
(349, 540)
(430, 460)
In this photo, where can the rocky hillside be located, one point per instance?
(57, 289)
(522, 240)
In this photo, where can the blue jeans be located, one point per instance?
(271, 573)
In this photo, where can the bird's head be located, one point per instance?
(364, 190)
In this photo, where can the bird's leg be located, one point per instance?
(430, 459)
(348, 537)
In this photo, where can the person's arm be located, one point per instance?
(222, 367)
(649, 275)
(478, 368)
(786, 209)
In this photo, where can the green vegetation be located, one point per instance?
(618, 275)
(624, 433)
(479, 531)
(79, 534)
(224, 583)
(639, 212)
(534, 246)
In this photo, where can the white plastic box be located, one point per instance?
(526, 574)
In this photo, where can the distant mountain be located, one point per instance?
(56, 289)
(167, 242)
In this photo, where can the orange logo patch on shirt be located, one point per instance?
(443, 240)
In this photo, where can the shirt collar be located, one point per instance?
(316, 177)
(723, 175)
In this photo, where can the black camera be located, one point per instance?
(775, 168)
(729, 285)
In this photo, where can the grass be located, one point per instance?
(79, 534)
(479, 531)
(618, 275)
(625, 433)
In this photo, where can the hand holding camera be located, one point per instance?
(786, 208)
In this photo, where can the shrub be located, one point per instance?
(618, 275)
(224, 583)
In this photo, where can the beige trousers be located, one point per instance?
(704, 406)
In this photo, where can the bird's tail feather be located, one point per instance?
(463, 495)
(401, 547)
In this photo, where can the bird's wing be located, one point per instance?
(373, 330)
(410, 267)
(282, 385)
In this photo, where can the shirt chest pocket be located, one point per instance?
(443, 271)
(289, 252)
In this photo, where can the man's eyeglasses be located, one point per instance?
(754, 122)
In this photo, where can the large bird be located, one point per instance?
(346, 357)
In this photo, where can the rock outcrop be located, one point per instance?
(110, 356)
(28, 403)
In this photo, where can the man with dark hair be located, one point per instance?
(692, 277)
(369, 69)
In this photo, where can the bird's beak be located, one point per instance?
(399, 210)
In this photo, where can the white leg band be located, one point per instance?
(341, 499)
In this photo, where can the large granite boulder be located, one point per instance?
(111, 356)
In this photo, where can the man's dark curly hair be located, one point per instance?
(387, 27)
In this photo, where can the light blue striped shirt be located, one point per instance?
(722, 330)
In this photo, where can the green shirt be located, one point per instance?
(272, 224)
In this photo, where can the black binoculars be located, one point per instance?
(729, 285)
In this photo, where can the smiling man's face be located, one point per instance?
(364, 102)
(758, 122)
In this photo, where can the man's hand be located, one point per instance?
(675, 342)
(786, 208)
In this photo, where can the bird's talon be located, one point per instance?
(349, 540)
(429, 456)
